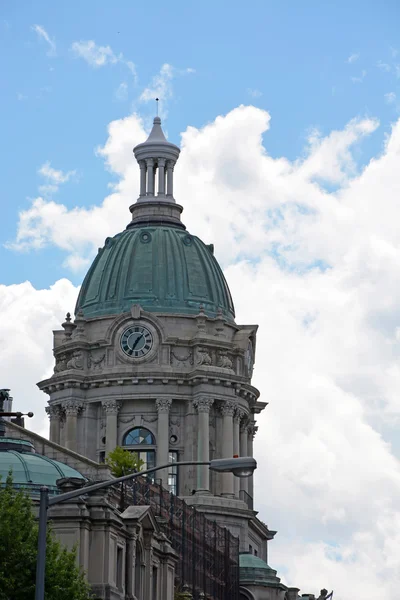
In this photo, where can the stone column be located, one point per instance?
(161, 176)
(54, 413)
(163, 405)
(170, 183)
(227, 409)
(251, 430)
(142, 165)
(72, 408)
(203, 407)
(111, 408)
(236, 446)
(243, 448)
(150, 176)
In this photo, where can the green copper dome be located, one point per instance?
(254, 571)
(162, 268)
(29, 469)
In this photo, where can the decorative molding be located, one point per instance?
(53, 412)
(96, 360)
(111, 407)
(76, 360)
(147, 419)
(252, 429)
(188, 358)
(72, 407)
(203, 405)
(203, 357)
(239, 414)
(224, 361)
(163, 405)
(228, 408)
(127, 419)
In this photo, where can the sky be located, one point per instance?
(287, 114)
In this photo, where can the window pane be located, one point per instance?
(139, 436)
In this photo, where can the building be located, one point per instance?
(154, 361)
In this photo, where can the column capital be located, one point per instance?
(163, 405)
(72, 407)
(111, 406)
(150, 162)
(53, 412)
(142, 164)
(228, 408)
(252, 429)
(161, 162)
(170, 164)
(239, 415)
(203, 405)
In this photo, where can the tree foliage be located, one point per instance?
(18, 551)
(123, 462)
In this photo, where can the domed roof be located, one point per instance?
(254, 571)
(29, 469)
(162, 268)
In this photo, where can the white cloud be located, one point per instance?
(318, 271)
(384, 66)
(42, 33)
(161, 87)
(21, 96)
(121, 92)
(254, 93)
(390, 97)
(54, 178)
(28, 318)
(99, 56)
(353, 57)
(360, 78)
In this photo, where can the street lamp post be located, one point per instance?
(239, 466)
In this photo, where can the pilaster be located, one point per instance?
(203, 407)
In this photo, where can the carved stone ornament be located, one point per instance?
(239, 414)
(61, 363)
(224, 361)
(228, 408)
(183, 356)
(163, 405)
(54, 412)
(127, 419)
(111, 407)
(72, 407)
(96, 361)
(76, 360)
(203, 404)
(203, 357)
(148, 419)
(252, 429)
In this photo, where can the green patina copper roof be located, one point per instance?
(162, 268)
(31, 470)
(254, 571)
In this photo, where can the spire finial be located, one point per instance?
(157, 101)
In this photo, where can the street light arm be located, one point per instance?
(104, 484)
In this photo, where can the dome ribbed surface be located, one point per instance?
(164, 269)
(31, 470)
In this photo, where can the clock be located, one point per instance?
(136, 341)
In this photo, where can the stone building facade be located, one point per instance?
(155, 362)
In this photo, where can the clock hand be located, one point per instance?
(135, 343)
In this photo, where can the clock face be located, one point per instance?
(136, 341)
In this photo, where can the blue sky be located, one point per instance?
(291, 58)
(319, 83)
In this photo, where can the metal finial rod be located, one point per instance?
(157, 101)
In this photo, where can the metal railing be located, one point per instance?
(245, 497)
(208, 553)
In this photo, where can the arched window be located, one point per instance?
(139, 436)
(142, 441)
